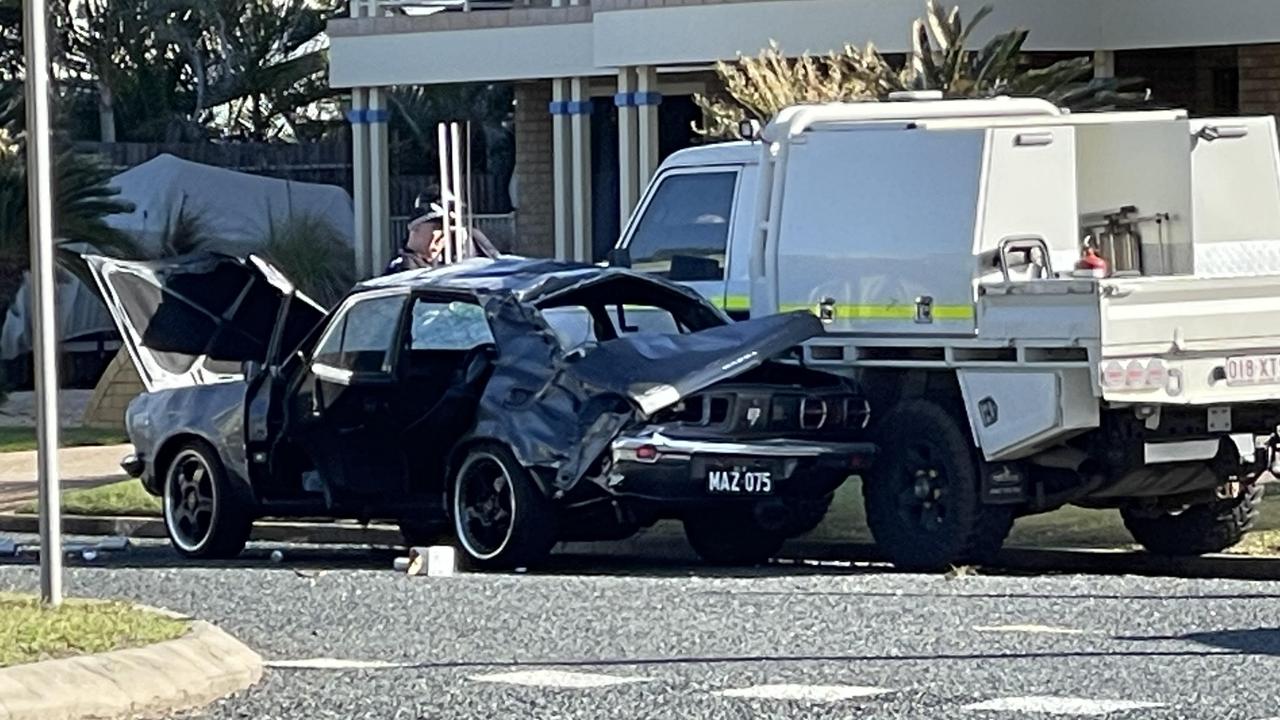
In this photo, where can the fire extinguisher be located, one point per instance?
(1091, 264)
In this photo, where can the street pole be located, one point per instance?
(40, 226)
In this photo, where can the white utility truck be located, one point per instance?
(940, 243)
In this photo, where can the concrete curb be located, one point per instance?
(156, 680)
(319, 533)
(671, 545)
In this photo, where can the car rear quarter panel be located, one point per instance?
(157, 422)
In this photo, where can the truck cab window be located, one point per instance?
(685, 227)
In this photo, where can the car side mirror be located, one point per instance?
(619, 257)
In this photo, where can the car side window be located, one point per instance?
(438, 325)
(684, 231)
(362, 340)
(642, 318)
(573, 326)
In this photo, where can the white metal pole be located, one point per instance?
(466, 201)
(628, 143)
(360, 190)
(455, 138)
(561, 170)
(379, 181)
(442, 145)
(40, 227)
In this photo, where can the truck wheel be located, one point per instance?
(923, 495)
(723, 537)
(1209, 528)
(207, 513)
(502, 518)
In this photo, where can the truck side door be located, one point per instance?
(682, 228)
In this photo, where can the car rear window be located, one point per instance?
(575, 326)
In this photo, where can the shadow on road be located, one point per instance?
(1251, 641)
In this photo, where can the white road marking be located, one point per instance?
(1045, 629)
(335, 664)
(804, 693)
(557, 679)
(1060, 705)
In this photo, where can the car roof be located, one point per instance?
(528, 278)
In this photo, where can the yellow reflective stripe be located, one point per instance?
(888, 312)
(735, 302)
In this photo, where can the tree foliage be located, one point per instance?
(940, 59)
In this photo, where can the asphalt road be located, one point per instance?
(610, 638)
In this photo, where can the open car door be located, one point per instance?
(195, 319)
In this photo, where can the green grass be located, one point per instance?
(13, 439)
(119, 498)
(29, 632)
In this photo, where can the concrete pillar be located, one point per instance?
(628, 144)
(380, 240)
(561, 169)
(579, 108)
(647, 100)
(360, 191)
(1104, 64)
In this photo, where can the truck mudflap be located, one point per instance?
(1190, 340)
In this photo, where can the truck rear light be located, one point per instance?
(1135, 375)
(1157, 374)
(1138, 374)
(1112, 375)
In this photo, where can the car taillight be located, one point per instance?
(647, 453)
(857, 413)
(813, 413)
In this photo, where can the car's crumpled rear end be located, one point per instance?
(779, 437)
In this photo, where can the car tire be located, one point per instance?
(502, 518)
(923, 495)
(731, 538)
(208, 514)
(1200, 529)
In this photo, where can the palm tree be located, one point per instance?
(758, 87)
(83, 198)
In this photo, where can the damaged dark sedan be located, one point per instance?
(514, 403)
